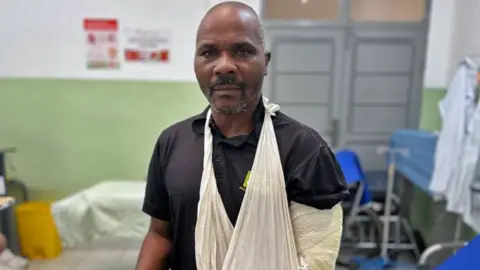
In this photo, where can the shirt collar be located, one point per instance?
(198, 124)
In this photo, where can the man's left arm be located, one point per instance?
(317, 181)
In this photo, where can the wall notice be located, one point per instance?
(102, 45)
(147, 46)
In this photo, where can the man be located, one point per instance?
(230, 63)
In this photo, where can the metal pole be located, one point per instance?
(2, 164)
(3, 175)
(391, 156)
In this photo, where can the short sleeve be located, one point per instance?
(156, 202)
(319, 181)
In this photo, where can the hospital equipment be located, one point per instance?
(110, 209)
(417, 168)
(7, 224)
(456, 174)
(465, 258)
(5, 179)
(379, 221)
(39, 239)
(391, 171)
(362, 225)
(7, 214)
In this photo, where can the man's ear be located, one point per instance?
(268, 56)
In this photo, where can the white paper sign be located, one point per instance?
(147, 45)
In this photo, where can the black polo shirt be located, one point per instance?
(312, 174)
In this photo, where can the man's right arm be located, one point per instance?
(157, 244)
(156, 247)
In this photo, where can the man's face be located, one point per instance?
(230, 61)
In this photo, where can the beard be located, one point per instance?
(240, 106)
(225, 103)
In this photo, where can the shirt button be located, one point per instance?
(218, 159)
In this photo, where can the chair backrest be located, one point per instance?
(353, 173)
(350, 165)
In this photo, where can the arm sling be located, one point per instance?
(270, 233)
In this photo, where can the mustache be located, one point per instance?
(227, 79)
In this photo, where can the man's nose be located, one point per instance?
(225, 65)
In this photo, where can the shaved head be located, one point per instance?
(230, 58)
(224, 8)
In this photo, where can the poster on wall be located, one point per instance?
(102, 45)
(147, 46)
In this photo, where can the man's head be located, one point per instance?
(230, 58)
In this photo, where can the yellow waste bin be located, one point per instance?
(39, 238)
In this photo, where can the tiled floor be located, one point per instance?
(101, 255)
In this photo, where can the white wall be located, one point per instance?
(466, 33)
(439, 45)
(454, 34)
(45, 38)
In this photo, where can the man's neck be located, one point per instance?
(235, 125)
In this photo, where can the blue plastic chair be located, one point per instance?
(465, 258)
(353, 173)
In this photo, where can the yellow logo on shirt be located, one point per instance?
(245, 181)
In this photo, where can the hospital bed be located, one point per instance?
(417, 169)
(110, 209)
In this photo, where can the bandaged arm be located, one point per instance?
(316, 187)
(157, 245)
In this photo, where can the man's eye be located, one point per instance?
(243, 53)
(206, 53)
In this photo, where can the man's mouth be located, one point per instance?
(226, 87)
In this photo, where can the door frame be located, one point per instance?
(416, 74)
(330, 34)
(348, 27)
